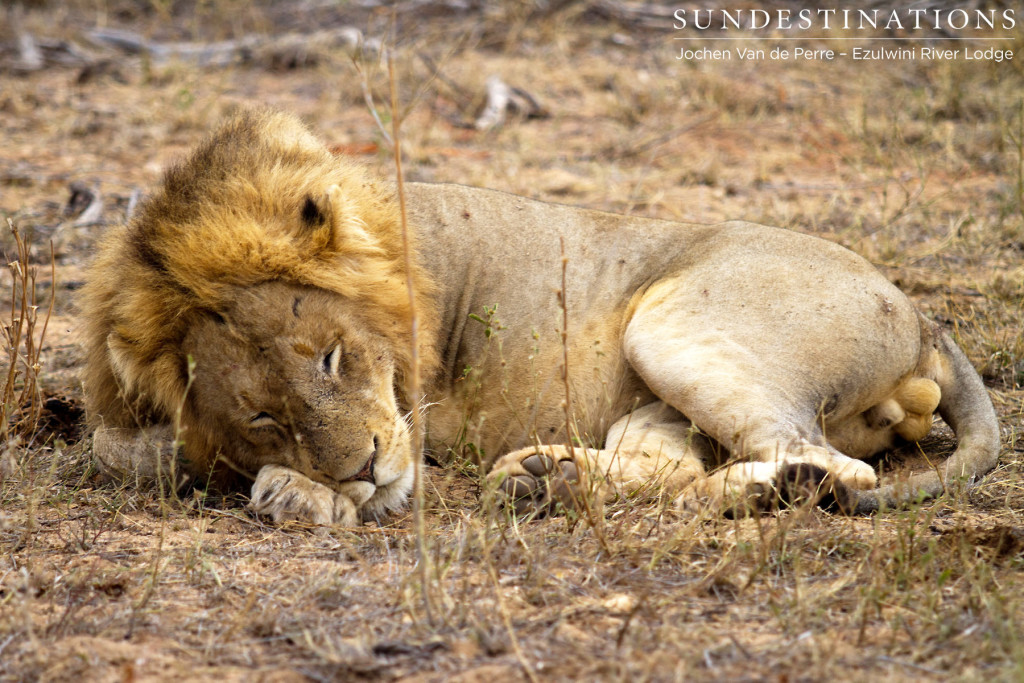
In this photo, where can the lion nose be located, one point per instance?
(366, 474)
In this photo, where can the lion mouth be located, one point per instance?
(366, 474)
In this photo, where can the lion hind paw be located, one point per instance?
(757, 488)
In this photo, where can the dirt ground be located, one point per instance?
(916, 164)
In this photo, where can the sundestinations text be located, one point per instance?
(914, 19)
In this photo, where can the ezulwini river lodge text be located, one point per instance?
(869, 54)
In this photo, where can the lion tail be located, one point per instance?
(967, 409)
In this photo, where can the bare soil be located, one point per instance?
(917, 165)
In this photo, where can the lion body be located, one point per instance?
(770, 290)
(277, 269)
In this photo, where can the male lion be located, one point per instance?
(256, 309)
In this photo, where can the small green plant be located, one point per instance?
(488, 320)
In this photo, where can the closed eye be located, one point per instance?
(332, 361)
(263, 419)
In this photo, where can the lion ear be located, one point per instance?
(317, 217)
(316, 214)
(334, 221)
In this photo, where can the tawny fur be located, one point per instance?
(279, 268)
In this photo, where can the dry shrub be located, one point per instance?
(23, 332)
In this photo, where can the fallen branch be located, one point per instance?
(85, 204)
(223, 53)
(289, 51)
(502, 100)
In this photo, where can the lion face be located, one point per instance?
(290, 375)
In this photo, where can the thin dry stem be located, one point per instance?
(594, 517)
(567, 404)
(1018, 142)
(414, 381)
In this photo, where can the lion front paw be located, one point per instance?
(533, 481)
(284, 495)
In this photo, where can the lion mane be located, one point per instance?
(215, 226)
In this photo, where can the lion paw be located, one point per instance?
(795, 485)
(284, 495)
(803, 483)
(538, 482)
(792, 485)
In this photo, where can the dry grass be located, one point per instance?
(919, 166)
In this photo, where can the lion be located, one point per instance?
(252, 321)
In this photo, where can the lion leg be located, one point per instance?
(722, 386)
(654, 450)
(285, 495)
(142, 455)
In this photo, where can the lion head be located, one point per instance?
(259, 299)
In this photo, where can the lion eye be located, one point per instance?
(263, 419)
(332, 361)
